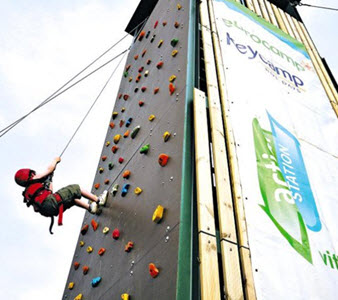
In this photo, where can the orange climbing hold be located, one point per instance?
(76, 265)
(138, 77)
(101, 251)
(104, 158)
(126, 174)
(177, 24)
(116, 234)
(172, 88)
(164, 23)
(85, 270)
(156, 90)
(106, 181)
(112, 125)
(159, 65)
(163, 159)
(96, 185)
(141, 36)
(136, 57)
(148, 62)
(153, 270)
(84, 229)
(141, 103)
(114, 149)
(129, 246)
(144, 52)
(94, 224)
(126, 134)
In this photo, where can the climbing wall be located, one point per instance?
(134, 251)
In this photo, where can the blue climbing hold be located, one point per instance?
(129, 122)
(96, 281)
(125, 189)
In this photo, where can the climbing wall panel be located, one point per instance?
(131, 213)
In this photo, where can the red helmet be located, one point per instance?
(23, 176)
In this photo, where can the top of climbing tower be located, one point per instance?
(142, 12)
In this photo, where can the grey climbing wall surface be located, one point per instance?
(128, 272)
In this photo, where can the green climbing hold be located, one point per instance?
(145, 149)
(110, 166)
(125, 74)
(174, 42)
(135, 131)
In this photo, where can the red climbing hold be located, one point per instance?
(156, 23)
(97, 185)
(76, 265)
(126, 174)
(125, 97)
(138, 77)
(140, 69)
(116, 234)
(101, 251)
(144, 52)
(156, 90)
(159, 65)
(143, 89)
(164, 23)
(163, 159)
(85, 270)
(121, 160)
(136, 57)
(148, 62)
(141, 36)
(84, 229)
(140, 103)
(172, 88)
(129, 246)
(112, 125)
(120, 96)
(104, 158)
(106, 181)
(114, 149)
(94, 224)
(121, 123)
(177, 24)
(128, 67)
(153, 270)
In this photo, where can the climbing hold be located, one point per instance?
(141, 35)
(130, 79)
(156, 90)
(155, 25)
(115, 114)
(106, 181)
(146, 73)
(172, 78)
(81, 243)
(120, 96)
(115, 189)
(105, 230)
(135, 131)
(96, 185)
(177, 24)
(166, 136)
(160, 44)
(174, 42)
(145, 149)
(174, 52)
(117, 137)
(128, 67)
(125, 74)
(159, 65)
(114, 149)
(125, 297)
(143, 89)
(151, 118)
(138, 191)
(158, 214)
(126, 174)
(138, 78)
(121, 160)
(164, 23)
(89, 249)
(126, 134)
(101, 170)
(153, 270)
(136, 90)
(107, 143)
(129, 246)
(136, 57)
(129, 122)
(111, 165)
(148, 62)
(94, 224)
(116, 234)
(112, 125)
(76, 265)
(104, 158)
(140, 70)
(141, 103)
(85, 270)
(125, 97)
(78, 297)
(96, 281)
(121, 123)
(71, 285)
(163, 159)
(172, 88)
(152, 38)
(101, 251)
(84, 229)
(144, 52)
(179, 6)
(125, 189)
(147, 35)
(123, 109)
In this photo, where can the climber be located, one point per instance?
(39, 193)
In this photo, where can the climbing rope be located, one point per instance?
(97, 98)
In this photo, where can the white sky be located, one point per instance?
(42, 44)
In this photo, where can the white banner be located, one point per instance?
(286, 135)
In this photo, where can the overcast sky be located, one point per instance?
(42, 44)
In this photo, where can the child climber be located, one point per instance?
(39, 193)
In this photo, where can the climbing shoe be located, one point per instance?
(93, 208)
(103, 198)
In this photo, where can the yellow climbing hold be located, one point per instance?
(160, 43)
(172, 78)
(89, 249)
(179, 6)
(174, 52)
(107, 143)
(166, 136)
(82, 243)
(105, 230)
(151, 118)
(71, 285)
(78, 297)
(125, 297)
(158, 214)
(123, 109)
(117, 138)
(138, 191)
(130, 79)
